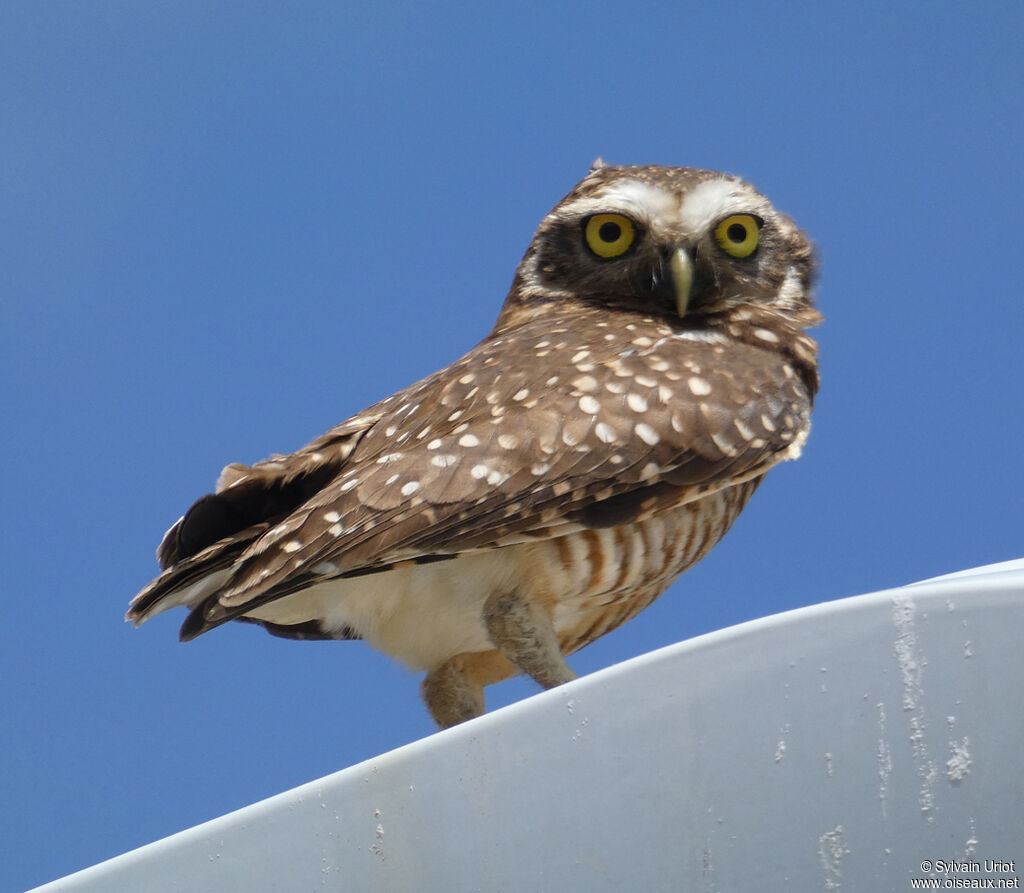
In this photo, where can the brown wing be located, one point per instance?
(528, 435)
(220, 526)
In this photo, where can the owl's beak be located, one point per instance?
(682, 278)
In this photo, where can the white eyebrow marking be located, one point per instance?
(644, 201)
(713, 199)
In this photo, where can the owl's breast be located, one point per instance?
(595, 580)
(591, 581)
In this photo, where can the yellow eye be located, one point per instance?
(737, 235)
(609, 235)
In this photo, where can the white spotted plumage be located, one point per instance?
(547, 486)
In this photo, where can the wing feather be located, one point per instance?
(482, 454)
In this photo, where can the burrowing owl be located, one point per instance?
(648, 367)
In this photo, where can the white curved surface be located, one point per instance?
(834, 747)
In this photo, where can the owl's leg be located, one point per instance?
(523, 632)
(524, 636)
(454, 691)
(451, 695)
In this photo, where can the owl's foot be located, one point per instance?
(525, 640)
(451, 694)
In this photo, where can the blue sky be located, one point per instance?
(227, 227)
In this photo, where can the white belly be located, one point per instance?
(421, 614)
(590, 581)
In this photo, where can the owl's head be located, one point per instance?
(678, 242)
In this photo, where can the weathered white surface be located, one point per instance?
(830, 748)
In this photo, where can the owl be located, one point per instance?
(647, 369)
